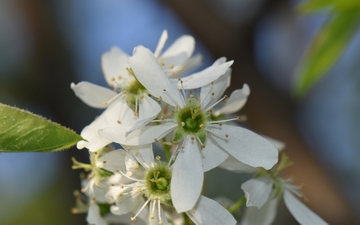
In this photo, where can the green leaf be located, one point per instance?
(314, 6)
(22, 131)
(325, 50)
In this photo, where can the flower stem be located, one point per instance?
(187, 220)
(237, 205)
(167, 149)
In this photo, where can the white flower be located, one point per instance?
(203, 144)
(262, 197)
(128, 95)
(96, 184)
(152, 180)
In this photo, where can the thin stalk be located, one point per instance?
(237, 205)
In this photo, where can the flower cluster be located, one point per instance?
(153, 103)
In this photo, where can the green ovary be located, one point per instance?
(157, 181)
(192, 120)
(133, 89)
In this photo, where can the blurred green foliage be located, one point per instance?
(329, 43)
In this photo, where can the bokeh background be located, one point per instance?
(46, 44)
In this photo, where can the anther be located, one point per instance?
(226, 135)
(120, 194)
(158, 158)
(137, 151)
(139, 189)
(192, 138)
(155, 139)
(171, 66)
(182, 124)
(104, 161)
(212, 93)
(133, 218)
(201, 125)
(112, 78)
(152, 216)
(118, 121)
(82, 190)
(119, 77)
(105, 103)
(220, 124)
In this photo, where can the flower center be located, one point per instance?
(191, 119)
(157, 182)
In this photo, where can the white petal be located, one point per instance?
(205, 77)
(151, 75)
(92, 94)
(90, 133)
(212, 155)
(220, 61)
(94, 216)
(192, 63)
(188, 176)
(257, 191)
(301, 213)
(235, 102)
(212, 92)
(235, 165)
(245, 146)
(161, 43)
(142, 136)
(112, 161)
(209, 212)
(180, 51)
(144, 154)
(131, 164)
(263, 216)
(148, 110)
(278, 144)
(114, 64)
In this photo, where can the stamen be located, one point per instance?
(220, 100)
(145, 204)
(136, 114)
(159, 213)
(202, 144)
(182, 88)
(168, 94)
(224, 121)
(114, 98)
(215, 134)
(131, 178)
(153, 210)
